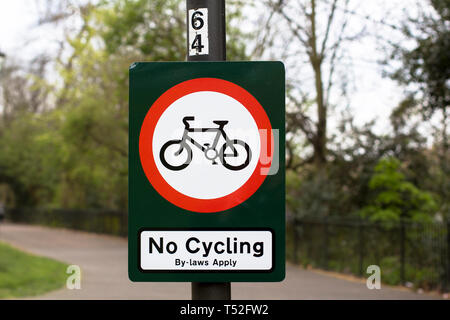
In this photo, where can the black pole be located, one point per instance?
(2, 59)
(211, 290)
(361, 247)
(296, 239)
(206, 42)
(325, 245)
(402, 251)
(447, 287)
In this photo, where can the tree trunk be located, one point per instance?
(321, 138)
(316, 62)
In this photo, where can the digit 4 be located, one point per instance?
(197, 43)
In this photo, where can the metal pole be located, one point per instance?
(361, 247)
(402, 251)
(325, 245)
(211, 290)
(296, 239)
(447, 285)
(206, 42)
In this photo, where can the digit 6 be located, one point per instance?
(197, 22)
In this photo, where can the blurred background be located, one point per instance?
(367, 120)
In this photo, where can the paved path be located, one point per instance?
(103, 261)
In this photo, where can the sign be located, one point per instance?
(206, 250)
(198, 32)
(206, 178)
(205, 130)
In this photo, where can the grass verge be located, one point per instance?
(23, 274)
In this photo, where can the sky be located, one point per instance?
(16, 19)
(373, 98)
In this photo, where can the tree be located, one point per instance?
(394, 197)
(427, 65)
(311, 34)
(22, 89)
(424, 71)
(30, 158)
(73, 149)
(24, 97)
(95, 92)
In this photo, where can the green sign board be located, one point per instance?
(206, 171)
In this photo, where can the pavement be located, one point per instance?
(103, 262)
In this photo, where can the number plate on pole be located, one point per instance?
(198, 32)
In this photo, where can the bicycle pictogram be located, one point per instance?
(231, 149)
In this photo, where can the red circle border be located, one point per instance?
(146, 149)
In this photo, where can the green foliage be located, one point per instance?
(341, 188)
(292, 184)
(395, 198)
(422, 277)
(315, 195)
(428, 63)
(424, 72)
(153, 29)
(25, 275)
(351, 245)
(30, 157)
(390, 267)
(75, 153)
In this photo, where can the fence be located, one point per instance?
(407, 252)
(99, 221)
(415, 254)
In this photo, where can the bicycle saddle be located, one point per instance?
(220, 123)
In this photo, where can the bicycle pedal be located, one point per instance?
(214, 162)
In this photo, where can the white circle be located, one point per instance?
(202, 179)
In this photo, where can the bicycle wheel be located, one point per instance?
(179, 154)
(243, 159)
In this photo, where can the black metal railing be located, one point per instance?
(98, 221)
(411, 253)
(407, 252)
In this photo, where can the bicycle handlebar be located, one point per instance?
(186, 119)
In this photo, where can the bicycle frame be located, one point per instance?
(219, 132)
